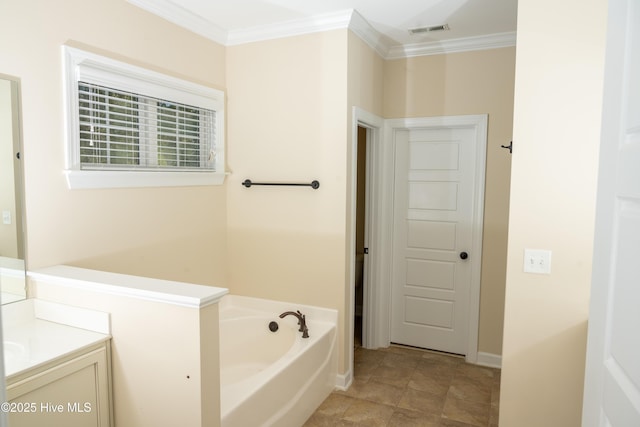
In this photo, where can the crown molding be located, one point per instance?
(490, 41)
(349, 18)
(170, 11)
(372, 37)
(297, 27)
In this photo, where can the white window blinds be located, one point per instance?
(125, 130)
(128, 126)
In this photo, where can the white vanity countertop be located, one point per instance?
(30, 341)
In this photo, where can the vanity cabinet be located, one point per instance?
(69, 391)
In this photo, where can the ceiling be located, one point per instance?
(384, 24)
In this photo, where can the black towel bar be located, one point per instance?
(313, 184)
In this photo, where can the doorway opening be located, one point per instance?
(370, 321)
(361, 232)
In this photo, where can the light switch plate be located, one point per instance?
(537, 261)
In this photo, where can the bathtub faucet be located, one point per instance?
(301, 321)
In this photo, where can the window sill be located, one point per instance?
(82, 180)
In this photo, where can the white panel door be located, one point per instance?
(612, 380)
(433, 230)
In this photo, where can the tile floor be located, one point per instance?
(400, 386)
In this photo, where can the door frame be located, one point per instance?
(374, 126)
(479, 125)
(375, 310)
(374, 327)
(380, 182)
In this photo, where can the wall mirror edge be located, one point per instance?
(12, 229)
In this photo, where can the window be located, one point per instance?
(131, 127)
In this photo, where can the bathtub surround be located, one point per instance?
(164, 345)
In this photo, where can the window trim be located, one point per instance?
(80, 65)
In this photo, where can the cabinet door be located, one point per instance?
(73, 393)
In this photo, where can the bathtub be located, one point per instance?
(273, 378)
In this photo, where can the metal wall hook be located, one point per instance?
(510, 146)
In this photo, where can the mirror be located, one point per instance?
(12, 247)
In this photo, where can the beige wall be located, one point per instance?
(287, 121)
(171, 233)
(365, 77)
(559, 72)
(479, 82)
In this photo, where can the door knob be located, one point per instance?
(464, 255)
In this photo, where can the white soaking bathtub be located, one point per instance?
(273, 378)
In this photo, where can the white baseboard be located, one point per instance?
(343, 381)
(489, 359)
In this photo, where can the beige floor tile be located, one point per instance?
(444, 422)
(368, 356)
(401, 386)
(381, 392)
(319, 420)
(400, 360)
(422, 401)
(401, 381)
(368, 413)
(391, 372)
(476, 372)
(473, 413)
(494, 416)
(408, 418)
(437, 368)
(443, 358)
(470, 389)
(394, 348)
(364, 370)
(431, 382)
(357, 389)
(335, 405)
(495, 394)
